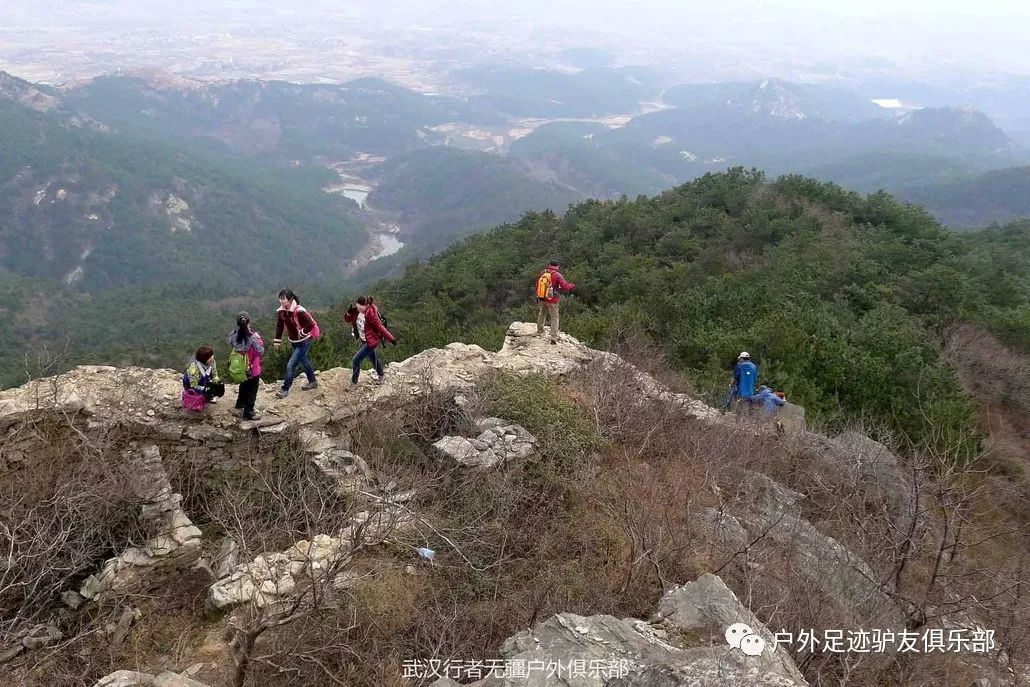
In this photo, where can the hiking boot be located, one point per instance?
(380, 379)
(238, 412)
(309, 385)
(282, 393)
(253, 415)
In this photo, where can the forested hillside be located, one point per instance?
(98, 209)
(442, 194)
(996, 196)
(841, 298)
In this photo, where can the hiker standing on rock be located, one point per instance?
(245, 365)
(745, 375)
(370, 330)
(549, 286)
(302, 331)
(200, 383)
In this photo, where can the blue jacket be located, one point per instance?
(745, 374)
(770, 401)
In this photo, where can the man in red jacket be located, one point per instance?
(549, 286)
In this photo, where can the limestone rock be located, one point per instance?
(349, 472)
(708, 606)
(792, 417)
(720, 530)
(131, 678)
(72, 599)
(764, 506)
(273, 576)
(499, 441)
(41, 635)
(175, 680)
(126, 678)
(175, 541)
(227, 558)
(683, 644)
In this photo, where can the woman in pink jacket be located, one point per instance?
(247, 342)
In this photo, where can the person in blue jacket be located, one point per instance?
(745, 374)
(767, 399)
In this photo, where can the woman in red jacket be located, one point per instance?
(301, 329)
(371, 332)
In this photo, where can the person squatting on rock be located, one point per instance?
(768, 400)
(745, 375)
(370, 330)
(549, 286)
(200, 383)
(302, 331)
(245, 365)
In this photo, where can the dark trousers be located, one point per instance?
(248, 394)
(369, 352)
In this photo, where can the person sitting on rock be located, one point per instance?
(200, 381)
(549, 286)
(371, 331)
(745, 374)
(245, 365)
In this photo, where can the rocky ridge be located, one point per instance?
(95, 398)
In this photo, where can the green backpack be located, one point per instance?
(239, 366)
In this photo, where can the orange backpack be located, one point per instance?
(544, 286)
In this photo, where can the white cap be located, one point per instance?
(744, 354)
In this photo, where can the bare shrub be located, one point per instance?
(67, 508)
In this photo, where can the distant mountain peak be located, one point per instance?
(26, 94)
(960, 124)
(772, 98)
(160, 79)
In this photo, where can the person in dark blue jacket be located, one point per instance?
(745, 374)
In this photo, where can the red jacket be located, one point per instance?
(559, 284)
(297, 323)
(375, 332)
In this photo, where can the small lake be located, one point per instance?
(356, 193)
(388, 245)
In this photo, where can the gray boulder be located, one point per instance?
(684, 644)
(768, 509)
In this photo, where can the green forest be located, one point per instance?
(842, 298)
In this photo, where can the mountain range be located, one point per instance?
(145, 192)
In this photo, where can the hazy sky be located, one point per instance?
(923, 37)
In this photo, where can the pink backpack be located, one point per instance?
(193, 401)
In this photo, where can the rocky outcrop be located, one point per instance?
(273, 577)
(853, 461)
(148, 399)
(174, 540)
(683, 644)
(791, 417)
(132, 678)
(768, 510)
(720, 530)
(498, 442)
